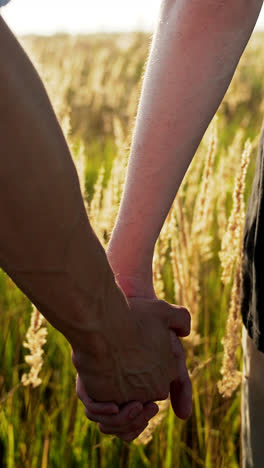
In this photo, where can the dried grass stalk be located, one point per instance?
(157, 276)
(231, 258)
(146, 436)
(201, 211)
(95, 205)
(231, 376)
(230, 248)
(36, 337)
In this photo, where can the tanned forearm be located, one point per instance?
(195, 51)
(47, 245)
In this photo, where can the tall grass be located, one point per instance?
(44, 424)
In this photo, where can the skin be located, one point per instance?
(48, 248)
(51, 273)
(116, 420)
(119, 422)
(195, 50)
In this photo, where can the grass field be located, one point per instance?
(94, 84)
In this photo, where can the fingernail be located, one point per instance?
(134, 412)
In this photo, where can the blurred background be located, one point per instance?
(80, 16)
(84, 16)
(91, 56)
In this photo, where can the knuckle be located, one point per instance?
(187, 316)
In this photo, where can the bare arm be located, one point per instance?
(49, 249)
(46, 242)
(195, 51)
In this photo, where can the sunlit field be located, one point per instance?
(94, 84)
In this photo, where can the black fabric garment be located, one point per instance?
(253, 249)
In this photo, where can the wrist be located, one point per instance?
(127, 241)
(93, 292)
(136, 286)
(133, 275)
(73, 296)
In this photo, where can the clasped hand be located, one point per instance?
(138, 360)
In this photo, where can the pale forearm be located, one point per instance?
(194, 53)
(46, 242)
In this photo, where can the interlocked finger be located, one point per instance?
(137, 424)
(123, 422)
(176, 317)
(129, 437)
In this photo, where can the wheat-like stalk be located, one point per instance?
(184, 262)
(231, 257)
(201, 211)
(36, 337)
(231, 376)
(191, 241)
(227, 168)
(230, 248)
(157, 276)
(164, 237)
(176, 262)
(110, 200)
(95, 205)
(146, 436)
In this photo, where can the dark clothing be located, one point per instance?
(253, 250)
